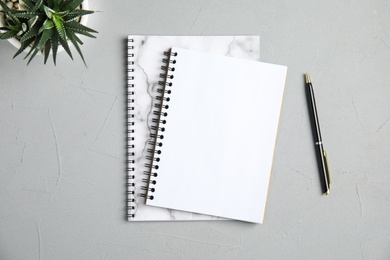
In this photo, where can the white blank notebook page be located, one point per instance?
(219, 136)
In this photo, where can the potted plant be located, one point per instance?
(44, 26)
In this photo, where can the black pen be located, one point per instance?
(321, 153)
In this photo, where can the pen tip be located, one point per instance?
(308, 80)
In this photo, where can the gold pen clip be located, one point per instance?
(327, 171)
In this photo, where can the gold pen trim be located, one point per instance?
(327, 171)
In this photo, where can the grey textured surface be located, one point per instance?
(62, 138)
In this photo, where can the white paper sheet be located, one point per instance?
(220, 136)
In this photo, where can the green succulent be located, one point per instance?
(45, 25)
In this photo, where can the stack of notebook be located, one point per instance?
(203, 116)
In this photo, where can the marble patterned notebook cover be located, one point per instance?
(144, 61)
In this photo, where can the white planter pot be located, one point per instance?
(17, 44)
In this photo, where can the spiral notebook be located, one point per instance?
(144, 61)
(216, 135)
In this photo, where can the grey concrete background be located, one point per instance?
(62, 136)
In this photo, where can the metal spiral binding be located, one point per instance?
(159, 120)
(130, 167)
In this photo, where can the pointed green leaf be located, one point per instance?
(33, 47)
(75, 44)
(47, 50)
(59, 24)
(9, 12)
(34, 31)
(78, 39)
(45, 37)
(10, 22)
(48, 11)
(54, 43)
(26, 15)
(48, 24)
(73, 5)
(64, 3)
(24, 45)
(31, 22)
(79, 27)
(14, 27)
(4, 6)
(64, 44)
(8, 35)
(32, 56)
(37, 6)
(63, 13)
(76, 14)
(29, 4)
(82, 32)
(14, 19)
